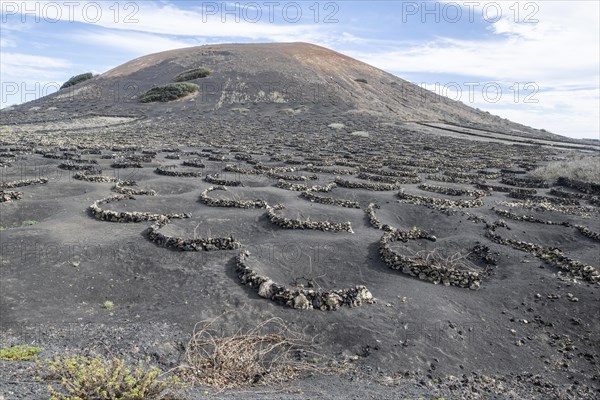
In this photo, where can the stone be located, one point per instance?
(301, 302)
(333, 301)
(266, 289)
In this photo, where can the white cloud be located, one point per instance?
(14, 65)
(134, 43)
(167, 19)
(560, 53)
(7, 43)
(27, 77)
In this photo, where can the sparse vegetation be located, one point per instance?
(109, 305)
(192, 74)
(106, 379)
(19, 353)
(440, 257)
(168, 92)
(580, 168)
(269, 353)
(74, 80)
(361, 80)
(28, 222)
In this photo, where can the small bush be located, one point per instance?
(28, 222)
(361, 80)
(74, 80)
(580, 168)
(269, 353)
(109, 305)
(169, 92)
(106, 379)
(192, 74)
(444, 259)
(19, 353)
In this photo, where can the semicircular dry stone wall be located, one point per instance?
(171, 170)
(379, 187)
(288, 223)
(438, 203)
(212, 202)
(195, 244)
(300, 187)
(21, 183)
(300, 298)
(332, 201)
(552, 256)
(216, 180)
(127, 216)
(422, 268)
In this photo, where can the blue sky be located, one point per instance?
(537, 63)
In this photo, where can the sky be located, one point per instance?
(533, 62)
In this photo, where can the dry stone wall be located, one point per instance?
(298, 187)
(582, 211)
(7, 196)
(288, 223)
(127, 216)
(171, 170)
(525, 182)
(209, 201)
(126, 164)
(332, 201)
(216, 180)
(453, 191)
(85, 176)
(21, 183)
(289, 177)
(424, 269)
(552, 256)
(555, 200)
(194, 163)
(379, 187)
(498, 188)
(327, 170)
(394, 180)
(298, 297)
(584, 187)
(181, 244)
(122, 188)
(438, 203)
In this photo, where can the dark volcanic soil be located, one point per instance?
(531, 330)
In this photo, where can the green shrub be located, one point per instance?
(168, 92)
(579, 168)
(361, 80)
(192, 74)
(106, 379)
(109, 305)
(74, 80)
(28, 222)
(19, 353)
